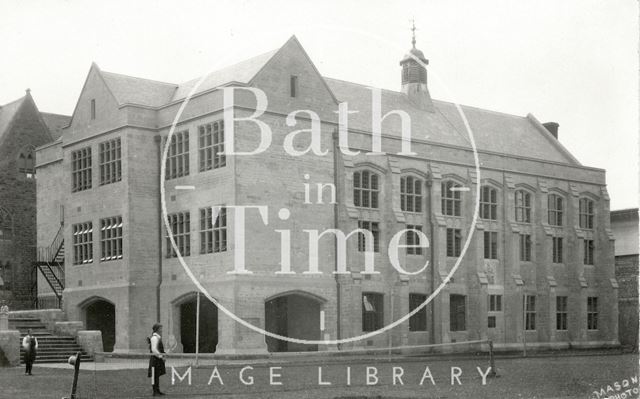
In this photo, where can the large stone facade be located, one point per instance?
(517, 155)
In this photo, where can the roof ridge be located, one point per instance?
(434, 100)
(12, 102)
(482, 109)
(53, 113)
(229, 66)
(137, 77)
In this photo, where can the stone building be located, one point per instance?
(543, 238)
(22, 129)
(624, 223)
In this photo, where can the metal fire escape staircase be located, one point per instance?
(50, 263)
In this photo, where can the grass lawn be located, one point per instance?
(559, 377)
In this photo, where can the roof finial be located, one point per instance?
(413, 29)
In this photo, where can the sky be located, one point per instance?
(574, 62)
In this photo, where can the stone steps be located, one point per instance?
(51, 348)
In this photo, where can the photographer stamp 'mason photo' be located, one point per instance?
(331, 200)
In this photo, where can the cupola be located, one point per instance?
(414, 76)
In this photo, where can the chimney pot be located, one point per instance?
(552, 127)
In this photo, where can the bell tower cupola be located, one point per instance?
(414, 76)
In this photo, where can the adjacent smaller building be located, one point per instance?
(22, 128)
(624, 224)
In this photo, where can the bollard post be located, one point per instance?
(74, 361)
(492, 360)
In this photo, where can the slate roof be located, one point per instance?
(241, 72)
(131, 90)
(152, 93)
(55, 123)
(7, 112)
(492, 131)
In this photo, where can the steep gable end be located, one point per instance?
(291, 66)
(97, 108)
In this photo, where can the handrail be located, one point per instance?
(48, 254)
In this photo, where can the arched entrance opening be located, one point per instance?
(294, 315)
(208, 331)
(101, 315)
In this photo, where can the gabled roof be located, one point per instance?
(7, 113)
(241, 72)
(492, 131)
(131, 90)
(151, 93)
(514, 135)
(55, 123)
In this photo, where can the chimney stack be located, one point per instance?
(552, 127)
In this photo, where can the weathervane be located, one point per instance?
(413, 29)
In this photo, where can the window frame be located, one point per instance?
(82, 243)
(412, 238)
(366, 197)
(27, 161)
(562, 313)
(555, 210)
(592, 313)
(211, 146)
(178, 154)
(180, 224)
(525, 246)
(454, 242)
(589, 252)
(491, 245)
(530, 312)
(372, 320)
(457, 316)
(586, 213)
(213, 236)
(451, 200)
(417, 322)
(374, 228)
(557, 249)
(293, 86)
(110, 161)
(81, 169)
(111, 233)
(488, 206)
(494, 302)
(522, 202)
(411, 194)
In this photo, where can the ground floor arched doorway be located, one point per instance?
(208, 331)
(101, 315)
(293, 315)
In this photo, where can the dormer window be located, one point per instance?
(293, 85)
(93, 109)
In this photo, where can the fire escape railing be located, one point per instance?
(50, 263)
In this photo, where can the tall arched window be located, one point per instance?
(488, 203)
(6, 225)
(451, 200)
(586, 213)
(556, 209)
(523, 206)
(410, 194)
(27, 161)
(365, 189)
